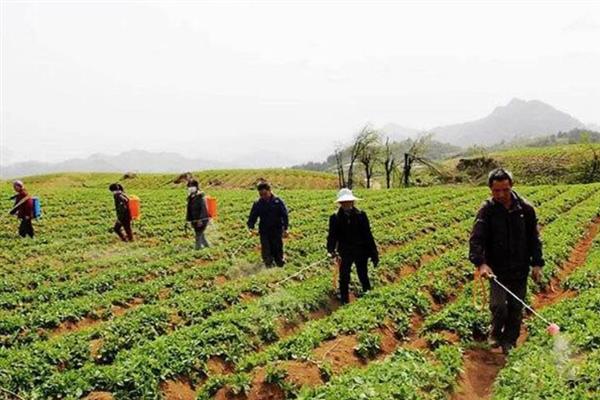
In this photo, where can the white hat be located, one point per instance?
(345, 195)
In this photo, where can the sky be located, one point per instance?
(223, 79)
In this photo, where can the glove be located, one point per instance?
(375, 260)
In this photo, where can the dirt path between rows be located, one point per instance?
(481, 366)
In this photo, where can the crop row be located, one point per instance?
(566, 366)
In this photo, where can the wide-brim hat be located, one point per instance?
(345, 195)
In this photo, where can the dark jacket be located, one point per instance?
(350, 235)
(273, 215)
(122, 207)
(196, 208)
(25, 209)
(506, 239)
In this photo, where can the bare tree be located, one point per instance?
(389, 163)
(363, 139)
(369, 156)
(416, 152)
(339, 163)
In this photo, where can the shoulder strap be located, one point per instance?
(20, 203)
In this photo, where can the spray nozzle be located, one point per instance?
(553, 329)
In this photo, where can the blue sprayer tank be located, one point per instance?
(37, 207)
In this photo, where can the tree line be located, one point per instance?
(372, 151)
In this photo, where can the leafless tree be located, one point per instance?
(366, 137)
(339, 163)
(389, 163)
(370, 155)
(416, 152)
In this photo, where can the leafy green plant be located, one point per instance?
(369, 345)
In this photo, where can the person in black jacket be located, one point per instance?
(505, 243)
(350, 238)
(273, 225)
(197, 213)
(123, 214)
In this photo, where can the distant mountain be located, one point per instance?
(399, 133)
(594, 127)
(263, 159)
(517, 120)
(141, 161)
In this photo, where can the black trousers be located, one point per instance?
(271, 244)
(26, 228)
(362, 271)
(201, 241)
(507, 312)
(125, 225)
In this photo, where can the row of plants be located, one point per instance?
(292, 313)
(50, 314)
(439, 287)
(566, 366)
(469, 318)
(76, 346)
(227, 334)
(406, 374)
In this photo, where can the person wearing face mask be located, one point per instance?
(123, 222)
(350, 241)
(273, 225)
(197, 213)
(23, 209)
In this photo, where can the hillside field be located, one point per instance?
(210, 179)
(85, 316)
(573, 163)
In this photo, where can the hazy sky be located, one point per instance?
(214, 80)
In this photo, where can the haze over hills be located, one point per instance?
(399, 133)
(518, 119)
(143, 161)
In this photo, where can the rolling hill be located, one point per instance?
(518, 119)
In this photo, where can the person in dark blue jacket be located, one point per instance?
(273, 225)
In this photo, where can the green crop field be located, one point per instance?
(83, 315)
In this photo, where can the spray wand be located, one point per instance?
(553, 329)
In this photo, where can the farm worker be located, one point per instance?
(504, 243)
(350, 241)
(23, 209)
(123, 214)
(197, 212)
(273, 225)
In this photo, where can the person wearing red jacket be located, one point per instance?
(23, 209)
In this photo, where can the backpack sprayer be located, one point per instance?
(552, 329)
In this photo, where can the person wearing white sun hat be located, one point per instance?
(350, 238)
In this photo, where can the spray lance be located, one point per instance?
(310, 266)
(552, 329)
